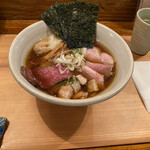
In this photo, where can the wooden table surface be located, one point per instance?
(35, 124)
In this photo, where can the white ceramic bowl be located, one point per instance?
(118, 47)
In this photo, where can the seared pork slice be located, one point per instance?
(81, 79)
(92, 74)
(92, 54)
(76, 86)
(106, 70)
(92, 86)
(106, 59)
(27, 74)
(95, 55)
(49, 76)
(65, 92)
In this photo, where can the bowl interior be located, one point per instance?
(118, 47)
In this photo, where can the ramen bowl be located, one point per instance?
(25, 40)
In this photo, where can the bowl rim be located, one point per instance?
(61, 101)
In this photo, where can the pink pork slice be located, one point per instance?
(106, 70)
(96, 56)
(92, 74)
(92, 54)
(49, 76)
(106, 59)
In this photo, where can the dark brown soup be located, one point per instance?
(109, 80)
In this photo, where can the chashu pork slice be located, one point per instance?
(49, 76)
(45, 77)
(104, 69)
(27, 74)
(96, 56)
(65, 92)
(92, 74)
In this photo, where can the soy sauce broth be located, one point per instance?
(103, 48)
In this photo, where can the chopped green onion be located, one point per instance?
(70, 81)
(67, 56)
(63, 83)
(77, 50)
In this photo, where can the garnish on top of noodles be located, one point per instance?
(72, 61)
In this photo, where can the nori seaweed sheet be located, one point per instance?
(50, 17)
(82, 24)
(64, 17)
(74, 22)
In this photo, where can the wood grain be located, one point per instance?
(35, 124)
(15, 26)
(110, 10)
